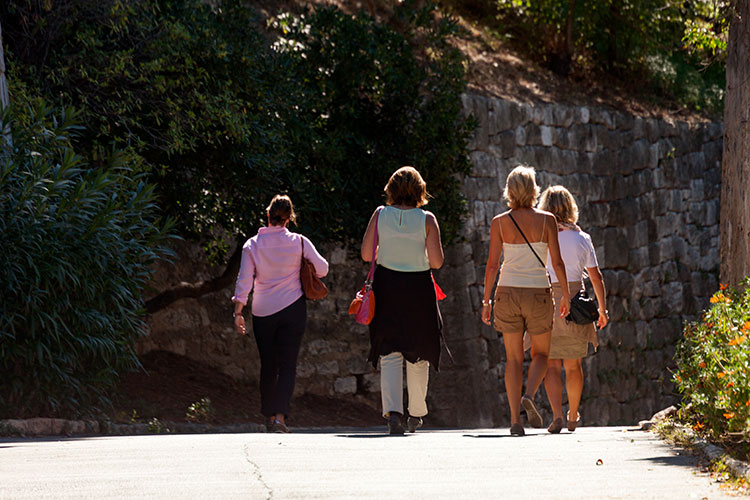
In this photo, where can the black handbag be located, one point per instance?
(583, 309)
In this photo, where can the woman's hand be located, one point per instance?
(486, 313)
(603, 318)
(239, 323)
(564, 305)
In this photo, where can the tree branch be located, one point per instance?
(195, 290)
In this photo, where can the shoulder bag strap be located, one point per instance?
(527, 241)
(371, 274)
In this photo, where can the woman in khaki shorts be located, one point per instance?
(523, 299)
(570, 341)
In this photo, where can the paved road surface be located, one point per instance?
(454, 464)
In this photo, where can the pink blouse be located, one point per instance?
(270, 265)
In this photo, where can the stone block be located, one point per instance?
(328, 368)
(503, 144)
(546, 134)
(615, 249)
(345, 385)
(371, 382)
(673, 298)
(652, 132)
(641, 335)
(602, 117)
(358, 365)
(305, 370)
(563, 116)
(520, 135)
(318, 346)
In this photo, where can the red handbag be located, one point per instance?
(363, 305)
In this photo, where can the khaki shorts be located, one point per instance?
(519, 310)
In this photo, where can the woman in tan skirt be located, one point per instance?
(570, 341)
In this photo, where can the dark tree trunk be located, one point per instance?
(195, 290)
(735, 170)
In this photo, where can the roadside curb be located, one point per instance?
(709, 451)
(34, 427)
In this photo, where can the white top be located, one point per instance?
(402, 238)
(577, 252)
(521, 268)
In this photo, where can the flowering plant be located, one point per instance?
(713, 364)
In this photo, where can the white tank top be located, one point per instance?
(520, 266)
(402, 238)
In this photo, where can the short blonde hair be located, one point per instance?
(559, 201)
(521, 190)
(406, 187)
(280, 210)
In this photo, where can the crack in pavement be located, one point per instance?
(256, 472)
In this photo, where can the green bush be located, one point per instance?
(713, 363)
(78, 241)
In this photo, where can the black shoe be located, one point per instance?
(394, 423)
(414, 423)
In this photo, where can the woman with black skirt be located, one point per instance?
(407, 324)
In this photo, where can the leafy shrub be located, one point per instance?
(200, 411)
(713, 361)
(78, 239)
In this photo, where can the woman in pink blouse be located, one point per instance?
(270, 268)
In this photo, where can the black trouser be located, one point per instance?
(279, 337)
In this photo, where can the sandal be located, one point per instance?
(517, 430)
(532, 414)
(556, 426)
(572, 424)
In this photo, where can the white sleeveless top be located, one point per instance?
(520, 266)
(402, 239)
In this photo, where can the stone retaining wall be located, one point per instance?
(648, 191)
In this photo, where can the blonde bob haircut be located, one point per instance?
(559, 201)
(281, 210)
(521, 190)
(406, 187)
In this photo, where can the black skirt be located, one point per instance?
(407, 317)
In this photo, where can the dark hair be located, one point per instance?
(406, 187)
(280, 210)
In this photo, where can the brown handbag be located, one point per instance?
(312, 287)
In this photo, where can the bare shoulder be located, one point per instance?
(499, 216)
(430, 219)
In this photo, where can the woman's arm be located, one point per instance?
(369, 239)
(311, 253)
(245, 282)
(557, 263)
(490, 270)
(597, 281)
(434, 246)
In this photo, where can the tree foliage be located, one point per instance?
(78, 241)
(677, 46)
(224, 114)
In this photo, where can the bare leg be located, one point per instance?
(514, 373)
(538, 366)
(573, 384)
(553, 386)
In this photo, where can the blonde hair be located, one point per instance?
(280, 210)
(521, 190)
(406, 187)
(559, 201)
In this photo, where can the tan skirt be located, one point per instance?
(569, 339)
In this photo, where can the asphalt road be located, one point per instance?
(592, 463)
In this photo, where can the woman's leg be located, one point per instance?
(538, 366)
(264, 330)
(514, 373)
(553, 386)
(392, 383)
(417, 375)
(573, 384)
(287, 346)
